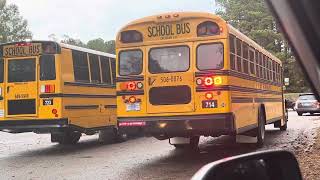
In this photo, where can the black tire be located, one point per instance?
(260, 130)
(311, 113)
(284, 127)
(300, 114)
(66, 138)
(194, 142)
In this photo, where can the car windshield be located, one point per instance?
(149, 89)
(307, 97)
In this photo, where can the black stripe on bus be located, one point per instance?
(129, 78)
(110, 106)
(124, 93)
(89, 85)
(268, 100)
(236, 88)
(82, 107)
(242, 100)
(236, 74)
(76, 95)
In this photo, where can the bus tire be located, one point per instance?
(284, 127)
(299, 113)
(107, 136)
(260, 130)
(66, 138)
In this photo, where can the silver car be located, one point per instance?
(307, 103)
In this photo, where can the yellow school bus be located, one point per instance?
(185, 75)
(50, 87)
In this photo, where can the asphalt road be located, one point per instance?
(32, 156)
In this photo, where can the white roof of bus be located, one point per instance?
(68, 46)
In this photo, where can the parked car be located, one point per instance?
(307, 103)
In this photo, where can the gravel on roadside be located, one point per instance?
(309, 159)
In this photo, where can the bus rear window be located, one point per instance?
(130, 62)
(22, 70)
(169, 59)
(47, 68)
(210, 56)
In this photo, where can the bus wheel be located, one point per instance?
(65, 138)
(284, 127)
(260, 130)
(107, 136)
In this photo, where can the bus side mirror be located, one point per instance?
(265, 165)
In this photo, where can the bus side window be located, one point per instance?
(245, 58)
(105, 69)
(251, 61)
(80, 66)
(239, 47)
(232, 52)
(257, 63)
(1, 70)
(47, 67)
(113, 69)
(94, 68)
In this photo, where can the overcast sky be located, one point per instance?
(90, 19)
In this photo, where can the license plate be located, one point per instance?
(133, 107)
(306, 104)
(48, 102)
(209, 104)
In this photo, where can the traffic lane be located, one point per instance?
(34, 157)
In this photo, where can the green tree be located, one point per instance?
(76, 42)
(111, 46)
(12, 27)
(253, 18)
(97, 44)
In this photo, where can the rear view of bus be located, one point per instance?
(159, 58)
(64, 90)
(27, 70)
(181, 76)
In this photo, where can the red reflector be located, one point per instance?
(54, 111)
(132, 99)
(123, 124)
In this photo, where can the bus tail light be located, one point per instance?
(132, 99)
(199, 81)
(217, 80)
(208, 81)
(139, 85)
(47, 89)
(209, 95)
(131, 86)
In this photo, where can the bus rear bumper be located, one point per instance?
(183, 126)
(39, 125)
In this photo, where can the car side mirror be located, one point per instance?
(266, 165)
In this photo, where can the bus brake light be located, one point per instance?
(131, 86)
(47, 89)
(208, 81)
